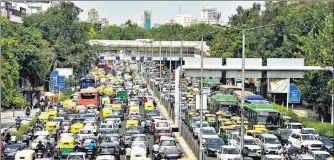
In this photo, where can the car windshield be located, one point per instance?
(311, 131)
(10, 147)
(230, 151)
(106, 126)
(285, 132)
(296, 126)
(106, 131)
(209, 132)
(85, 132)
(75, 157)
(107, 146)
(139, 138)
(272, 141)
(204, 125)
(218, 142)
(250, 142)
(90, 115)
(323, 155)
(168, 143)
(308, 137)
(65, 124)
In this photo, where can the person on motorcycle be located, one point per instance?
(142, 124)
(25, 138)
(27, 110)
(77, 147)
(18, 121)
(73, 110)
(91, 146)
(152, 125)
(8, 136)
(279, 151)
(40, 146)
(49, 146)
(13, 139)
(127, 153)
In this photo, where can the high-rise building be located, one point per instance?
(93, 16)
(209, 15)
(146, 19)
(104, 21)
(184, 19)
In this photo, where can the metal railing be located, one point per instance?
(185, 133)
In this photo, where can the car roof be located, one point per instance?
(228, 146)
(166, 138)
(320, 152)
(265, 135)
(273, 156)
(306, 156)
(78, 153)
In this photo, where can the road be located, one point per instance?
(8, 120)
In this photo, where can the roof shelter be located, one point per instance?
(147, 46)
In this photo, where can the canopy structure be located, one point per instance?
(143, 46)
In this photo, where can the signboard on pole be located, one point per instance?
(61, 83)
(205, 102)
(53, 80)
(294, 94)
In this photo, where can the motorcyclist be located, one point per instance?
(27, 110)
(152, 125)
(48, 146)
(25, 138)
(13, 139)
(155, 151)
(18, 121)
(73, 110)
(8, 136)
(40, 146)
(77, 147)
(91, 146)
(279, 151)
(127, 153)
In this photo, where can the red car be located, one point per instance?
(161, 132)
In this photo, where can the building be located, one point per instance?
(209, 15)
(184, 19)
(146, 19)
(104, 21)
(93, 16)
(14, 10)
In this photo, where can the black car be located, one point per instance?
(328, 144)
(283, 134)
(212, 145)
(108, 148)
(10, 151)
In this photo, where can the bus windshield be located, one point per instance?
(87, 95)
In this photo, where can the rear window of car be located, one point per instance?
(139, 138)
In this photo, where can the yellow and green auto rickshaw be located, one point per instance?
(286, 120)
(219, 114)
(66, 145)
(225, 132)
(211, 119)
(106, 112)
(108, 91)
(52, 113)
(100, 88)
(134, 109)
(76, 127)
(260, 127)
(116, 107)
(131, 122)
(148, 106)
(105, 100)
(223, 122)
(49, 126)
(43, 117)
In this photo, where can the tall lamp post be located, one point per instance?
(243, 76)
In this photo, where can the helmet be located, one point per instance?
(40, 142)
(18, 117)
(92, 141)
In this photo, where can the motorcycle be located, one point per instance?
(49, 152)
(156, 156)
(28, 112)
(90, 153)
(39, 154)
(18, 125)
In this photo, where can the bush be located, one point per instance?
(324, 129)
(24, 128)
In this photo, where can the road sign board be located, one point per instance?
(294, 94)
(118, 58)
(53, 80)
(61, 82)
(101, 57)
(133, 58)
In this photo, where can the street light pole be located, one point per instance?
(160, 70)
(0, 79)
(180, 97)
(170, 72)
(201, 105)
(243, 89)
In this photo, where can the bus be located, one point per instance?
(89, 96)
(262, 112)
(87, 81)
(237, 93)
(224, 102)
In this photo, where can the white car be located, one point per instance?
(272, 157)
(269, 143)
(295, 127)
(228, 152)
(85, 132)
(76, 156)
(197, 126)
(251, 146)
(299, 141)
(311, 131)
(105, 157)
(208, 132)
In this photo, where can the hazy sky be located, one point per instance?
(162, 11)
